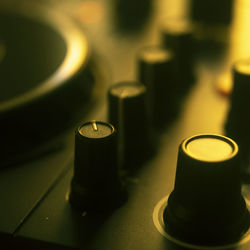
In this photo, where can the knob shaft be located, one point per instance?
(96, 184)
(206, 206)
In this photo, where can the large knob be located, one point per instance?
(156, 72)
(128, 112)
(96, 184)
(206, 206)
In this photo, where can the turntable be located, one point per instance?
(118, 130)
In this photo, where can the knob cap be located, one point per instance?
(127, 111)
(206, 206)
(96, 184)
(156, 72)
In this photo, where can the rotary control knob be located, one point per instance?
(139, 13)
(96, 184)
(238, 121)
(206, 206)
(177, 36)
(222, 11)
(156, 72)
(128, 112)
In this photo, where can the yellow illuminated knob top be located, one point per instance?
(210, 148)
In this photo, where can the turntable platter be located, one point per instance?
(31, 52)
(46, 80)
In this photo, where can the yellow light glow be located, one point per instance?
(90, 12)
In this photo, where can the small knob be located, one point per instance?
(177, 36)
(96, 184)
(206, 206)
(238, 121)
(127, 111)
(241, 88)
(139, 13)
(156, 72)
(212, 11)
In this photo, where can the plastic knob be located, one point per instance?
(128, 113)
(156, 72)
(206, 206)
(96, 184)
(177, 36)
(238, 121)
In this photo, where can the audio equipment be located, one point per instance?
(124, 125)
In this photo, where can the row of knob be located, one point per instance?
(206, 205)
(207, 12)
(137, 111)
(197, 212)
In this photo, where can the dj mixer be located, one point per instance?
(124, 124)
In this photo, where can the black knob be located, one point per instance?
(177, 36)
(139, 13)
(206, 206)
(238, 120)
(212, 11)
(96, 184)
(128, 112)
(156, 72)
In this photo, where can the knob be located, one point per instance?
(128, 112)
(96, 185)
(206, 206)
(156, 72)
(177, 36)
(237, 120)
(221, 11)
(139, 13)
